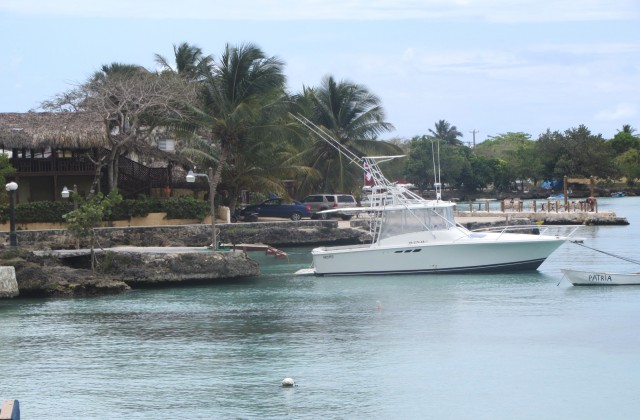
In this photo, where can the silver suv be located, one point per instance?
(319, 202)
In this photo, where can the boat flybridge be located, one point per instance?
(411, 234)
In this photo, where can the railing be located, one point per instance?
(537, 230)
(42, 166)
(533, 205)
(133, 177)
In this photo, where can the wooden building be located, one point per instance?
(53, 150)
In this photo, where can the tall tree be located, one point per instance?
(626, 128)
(518, 158)
(432, 160)
(352, 116)
(132, 102)
(629, 165)
(624, 140)
(242, 98)
(576, 152)
(446, 132)
(190, 61)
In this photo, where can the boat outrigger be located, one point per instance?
(411, 234)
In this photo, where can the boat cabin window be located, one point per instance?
(404, 221)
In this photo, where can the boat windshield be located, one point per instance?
(404, 221)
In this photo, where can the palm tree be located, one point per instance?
(117, 69)
(236, 92)
(242, 97)
(190, 62)
(626, 128)
(259, 166)
(352, 116)
(446, 132)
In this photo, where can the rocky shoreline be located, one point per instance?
(151, 258)
(40, 270)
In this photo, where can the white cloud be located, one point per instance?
(507, 11)
(465, 61)
(621, 112)
(595, 48)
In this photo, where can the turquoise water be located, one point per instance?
(519, 346)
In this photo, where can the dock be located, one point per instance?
(601, 218)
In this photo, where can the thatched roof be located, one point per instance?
(32, 130)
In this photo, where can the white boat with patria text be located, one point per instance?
(594, 278)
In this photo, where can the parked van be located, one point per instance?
(319, 202)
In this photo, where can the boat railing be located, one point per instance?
(539, 230)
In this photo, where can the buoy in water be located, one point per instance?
(288, 382)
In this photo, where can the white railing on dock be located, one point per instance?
(528, 206)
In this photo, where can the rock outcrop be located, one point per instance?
(59, 281)
(152, 269)
(45, 275)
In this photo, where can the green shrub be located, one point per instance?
(139, 207)
(38, 211)
(185, 208)
(52, 211)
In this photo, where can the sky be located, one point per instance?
(487, 67)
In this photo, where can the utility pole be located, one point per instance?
(474, 137)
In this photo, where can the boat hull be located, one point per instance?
(460, 257)
(593, 278)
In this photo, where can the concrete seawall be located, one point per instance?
(278, 232)
(8, 283)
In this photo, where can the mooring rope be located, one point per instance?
(609, 254)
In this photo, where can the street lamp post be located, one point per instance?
(12, 187)
(66, 192)
(191, 177)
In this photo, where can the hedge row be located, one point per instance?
(52, 211)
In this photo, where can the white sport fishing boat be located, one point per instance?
(411, 234)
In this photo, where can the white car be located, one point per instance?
(320, 202)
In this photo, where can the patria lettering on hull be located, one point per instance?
(599, 278)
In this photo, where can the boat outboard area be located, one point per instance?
(411, 234)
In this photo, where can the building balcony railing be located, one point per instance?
(50, 166)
